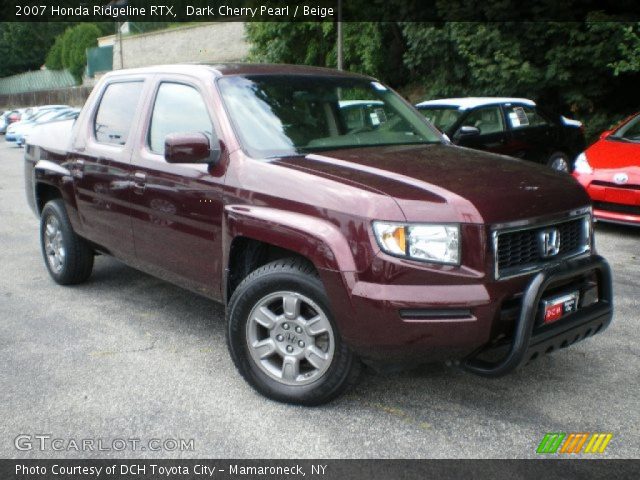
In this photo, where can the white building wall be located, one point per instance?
(208, 42)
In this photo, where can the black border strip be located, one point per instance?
(319, 10)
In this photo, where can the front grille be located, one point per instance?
(617, 208)
(627, 186)
(520, 250)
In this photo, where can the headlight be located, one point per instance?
(582, 165)
(426, 242)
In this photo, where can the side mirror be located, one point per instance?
(467, 131)
(605, 134)
(191, 148)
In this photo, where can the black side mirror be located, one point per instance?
(467, 131)
(191, 148)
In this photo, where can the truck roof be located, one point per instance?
(473, 102)
(228, 69)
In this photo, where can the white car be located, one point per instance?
(21, 130)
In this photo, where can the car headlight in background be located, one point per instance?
(582, 165)
(416, 241)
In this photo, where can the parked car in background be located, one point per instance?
(48, 117)
(509, 126)
(4, 120)
(361, 114)
(610, 171)
(41, 114)
(7, 118)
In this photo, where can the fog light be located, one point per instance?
(590, 295)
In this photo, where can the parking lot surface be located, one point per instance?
(127, 356)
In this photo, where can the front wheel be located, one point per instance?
(560, 162)
(282, 336)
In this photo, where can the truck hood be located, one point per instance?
(449, 183)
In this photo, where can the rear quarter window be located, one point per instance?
(117, 108)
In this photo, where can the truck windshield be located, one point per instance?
(283, 115)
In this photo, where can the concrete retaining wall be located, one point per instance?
(208, 43)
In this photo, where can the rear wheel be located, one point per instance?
(282, 337)
(68, 257)
(559, 161)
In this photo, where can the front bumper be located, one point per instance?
(611, 202)
(617, 213)
(419, 323)
(529, 341)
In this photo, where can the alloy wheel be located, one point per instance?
(290, 338)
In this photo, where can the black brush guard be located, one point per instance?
(580, 324)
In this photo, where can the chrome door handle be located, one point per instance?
(139, 182)
(77, 168)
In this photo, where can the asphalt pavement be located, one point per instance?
(127, 357)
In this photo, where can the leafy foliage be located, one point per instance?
(54, 57)
(582, 69)
(372, 48)
(24, 46)
(73, 47)
(629, 50)
(587, 70)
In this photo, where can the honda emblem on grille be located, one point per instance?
(549, 241)
(621, 178)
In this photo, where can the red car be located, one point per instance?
(610, 171)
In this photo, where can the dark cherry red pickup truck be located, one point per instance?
(331, 218)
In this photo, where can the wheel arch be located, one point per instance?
(52, 180)
(45, 192)
(254, 236)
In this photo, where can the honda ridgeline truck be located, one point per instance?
(334, 222)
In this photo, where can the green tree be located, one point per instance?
(74, 44)
(54, 57)
(24, 46)
(373, 48)
(629, 49)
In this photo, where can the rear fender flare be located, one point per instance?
(59, 177)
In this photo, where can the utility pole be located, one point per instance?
(119, 26)
(340, 39)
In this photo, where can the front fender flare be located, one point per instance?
(316, 239)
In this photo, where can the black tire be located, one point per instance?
(77, 263)
(559, 161)
(298, 277)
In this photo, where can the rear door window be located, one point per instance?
(115, 113)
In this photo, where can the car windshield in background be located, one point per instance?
(442, 117)
(280, 115)
(48, 115)
(629, 131)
